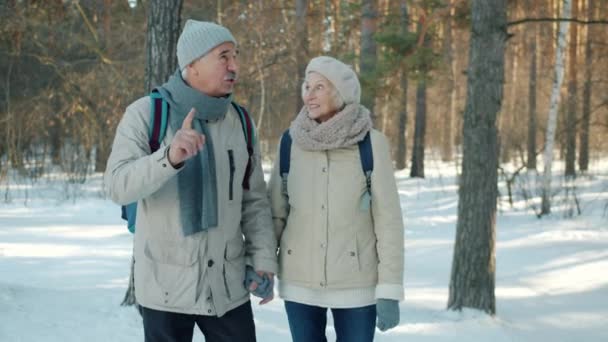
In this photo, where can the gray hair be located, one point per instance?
(184, 72)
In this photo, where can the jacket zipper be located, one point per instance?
(232, 169)
(326, 220)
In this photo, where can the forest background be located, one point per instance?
(68, 69)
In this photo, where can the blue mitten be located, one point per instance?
(265, 284)
(387, 311)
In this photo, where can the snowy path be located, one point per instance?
(63, 270)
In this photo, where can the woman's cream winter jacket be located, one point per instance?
(328, 239)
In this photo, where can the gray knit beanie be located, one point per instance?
(342, 76)
(198, 38)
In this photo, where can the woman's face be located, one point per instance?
(318, 95)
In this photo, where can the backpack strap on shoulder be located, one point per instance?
(285, 159)
(249, 132)
(158, 120)
(159, 113)
(367, 164)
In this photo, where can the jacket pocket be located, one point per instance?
(367, 253)
(295, 260)
(234, 268)
(232, 171)
(343, 268)
(171, 273)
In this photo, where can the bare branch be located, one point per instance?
(272, 60)
(552, 20)
(86, 20)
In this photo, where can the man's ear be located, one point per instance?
(191, 69)
(194, 71)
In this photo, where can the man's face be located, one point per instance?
(216, 73)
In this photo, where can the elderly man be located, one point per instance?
(202, 235)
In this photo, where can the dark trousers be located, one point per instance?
(235, 326)
(307, 323)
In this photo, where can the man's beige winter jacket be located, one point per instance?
(202, 273)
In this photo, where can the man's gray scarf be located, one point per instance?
(345, 128)
(197, 182)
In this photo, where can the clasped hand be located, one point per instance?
(260, 284)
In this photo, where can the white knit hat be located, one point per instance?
(198, 38)
(342, 76)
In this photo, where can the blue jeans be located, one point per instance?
(307, 323)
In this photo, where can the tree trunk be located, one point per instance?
(417, 169)
(11, 131)
(161, 41)
(260, 70)
(553, 108)
(507, 118)
(9, 125)
(532, 43)
(316, 26)
(583, 155)
(368, 58)
(572, 101)
(55, 130)
(402, 132)
(301, 49)
(107, 16)
(472, 280)
(104, 140)
(336, 26)
(447, 136)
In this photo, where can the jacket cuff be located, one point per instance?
(389, 291)
(162, 163)
(262, 264)
(166, 162)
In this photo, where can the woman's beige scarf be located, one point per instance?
(345, 128)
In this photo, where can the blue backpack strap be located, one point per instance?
(159, 113)
(129, 213)
(249, 132)
(367, 164)
(285, 159)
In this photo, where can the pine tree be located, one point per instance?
(472, 281)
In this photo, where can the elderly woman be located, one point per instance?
(340, 232)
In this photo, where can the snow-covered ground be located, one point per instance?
(64, 266)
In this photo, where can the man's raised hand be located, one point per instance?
(186, 142)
